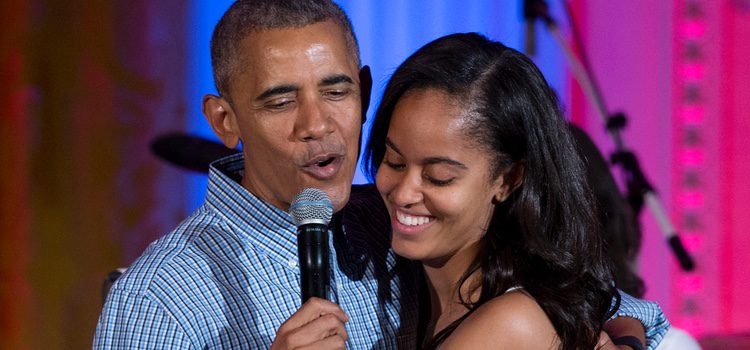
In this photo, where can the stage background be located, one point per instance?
(86, 85)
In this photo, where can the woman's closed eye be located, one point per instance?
(439, 182)
(394, 165)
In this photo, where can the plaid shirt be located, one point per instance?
(227, 277)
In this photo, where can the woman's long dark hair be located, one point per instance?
(545, 236)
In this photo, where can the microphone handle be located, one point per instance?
(312, 248)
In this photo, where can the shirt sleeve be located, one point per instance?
(132, 321)
(650, 315)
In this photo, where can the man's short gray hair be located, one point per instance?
(248, 16)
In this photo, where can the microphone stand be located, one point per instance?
(639, 188)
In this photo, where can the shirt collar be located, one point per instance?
(270, 229)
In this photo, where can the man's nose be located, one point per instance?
(313, 121)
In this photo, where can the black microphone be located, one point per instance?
(190, 152)
(311, 211)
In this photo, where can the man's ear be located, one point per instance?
(365, 90)
(220, 115)
(509, 182)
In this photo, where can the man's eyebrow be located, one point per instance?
(336, 79)
(287, 88)
(277, 90)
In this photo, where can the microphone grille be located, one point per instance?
(311, 206)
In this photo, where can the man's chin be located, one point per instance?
(339, 196)
(337, 188)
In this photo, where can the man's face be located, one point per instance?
(296, 107)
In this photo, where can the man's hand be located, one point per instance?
(318, 324)
(605, 343)
(621, 327)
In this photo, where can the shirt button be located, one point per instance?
(339, 286)
(292, 263)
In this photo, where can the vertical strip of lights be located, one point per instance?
(689, 163)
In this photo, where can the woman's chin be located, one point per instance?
(408, 250)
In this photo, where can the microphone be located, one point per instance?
(311, 211)
(189, 152)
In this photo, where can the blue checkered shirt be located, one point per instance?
(227, 277)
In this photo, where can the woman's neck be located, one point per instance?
(443, 278)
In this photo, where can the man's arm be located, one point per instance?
(628, 334)
(632, 310)
(130, 321)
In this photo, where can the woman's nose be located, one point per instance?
(407, 191)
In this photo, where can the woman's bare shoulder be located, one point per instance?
(513, 320)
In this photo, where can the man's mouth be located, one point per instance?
(324, 167)
(326, 162)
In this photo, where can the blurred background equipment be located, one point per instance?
(640, 190)
(189, 152)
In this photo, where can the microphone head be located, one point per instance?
(311, 206)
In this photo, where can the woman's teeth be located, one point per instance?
(409, 220)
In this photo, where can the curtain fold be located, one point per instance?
(14, 182)
(90, 83)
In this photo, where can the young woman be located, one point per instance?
(485, 188)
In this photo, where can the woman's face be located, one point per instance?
(436, 183)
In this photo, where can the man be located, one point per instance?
(292, 92)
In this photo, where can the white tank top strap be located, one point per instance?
(513, 289)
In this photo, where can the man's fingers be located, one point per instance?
(316, 321)
(333, 342)
(311, 310)
(324, 327)
(604, 342)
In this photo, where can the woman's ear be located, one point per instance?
(509, 181)
(220, 115)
